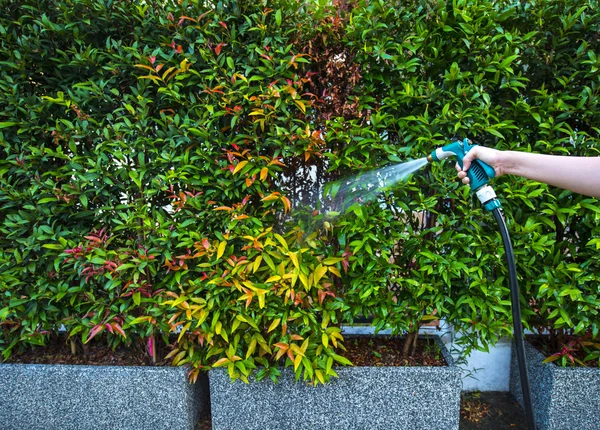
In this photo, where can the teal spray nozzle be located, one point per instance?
(479, 173)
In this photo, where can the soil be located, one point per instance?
(387, 351)
(493, 410)
(58, 351)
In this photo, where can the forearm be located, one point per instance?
(578, 174)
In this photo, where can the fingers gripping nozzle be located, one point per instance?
(479, 173)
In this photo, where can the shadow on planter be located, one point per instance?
(64, 397)
(361, 398)
(563, 398)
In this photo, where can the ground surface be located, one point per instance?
(491, 411)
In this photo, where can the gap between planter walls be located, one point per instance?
(482, 371)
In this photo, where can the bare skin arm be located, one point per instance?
(578, 174)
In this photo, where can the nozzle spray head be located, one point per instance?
(479, 173)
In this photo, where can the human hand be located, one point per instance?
(487, 155)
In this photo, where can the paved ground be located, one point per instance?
(479, 411)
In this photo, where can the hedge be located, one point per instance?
(165, 172)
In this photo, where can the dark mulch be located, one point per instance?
(58, 351)
(493, 410)
(387, 351)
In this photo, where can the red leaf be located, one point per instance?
(151, 346)
(223, 24)
(109, 327)
(218, 48)
(205, 243)
(94, 331)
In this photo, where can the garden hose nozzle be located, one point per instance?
(479, 173)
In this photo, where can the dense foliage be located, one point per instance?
(163, 167)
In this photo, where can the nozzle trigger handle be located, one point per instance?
(489, 170)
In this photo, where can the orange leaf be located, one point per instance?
(221, 362)
(223, 208)
(119, 329)
(263, 173)
(240, 166)
(143, 66)
(287, 206)
(272, 196)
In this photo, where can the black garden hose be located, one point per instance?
(516, 313)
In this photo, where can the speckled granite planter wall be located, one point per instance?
(65, 397)
(361, 398)
(563, 398)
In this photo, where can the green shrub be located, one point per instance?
(164, 168)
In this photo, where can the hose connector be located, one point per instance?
(488, 198)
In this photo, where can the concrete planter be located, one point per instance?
(361, 398)
(563, 398)
(40, 396)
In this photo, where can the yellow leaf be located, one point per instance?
(297, 362)
(257, 263)
(178, 357)
(251, 347)
(261, 299)
(319, 376)
(331, 260)
(237, 285)
(274, 325)
(293, 256)
(221, 249)
(320, 271)
(300, 105)
(183, 330)
(169, 70)
(240, 166)
(325, 339)
(335, 271)
(154, 78)
(282, 241)
(273, 279)
(263, 173)
(304, 280)
(297, 349)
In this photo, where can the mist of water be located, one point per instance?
(368, 186)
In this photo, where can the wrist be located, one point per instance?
(507, 163)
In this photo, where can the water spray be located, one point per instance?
(479, 175)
